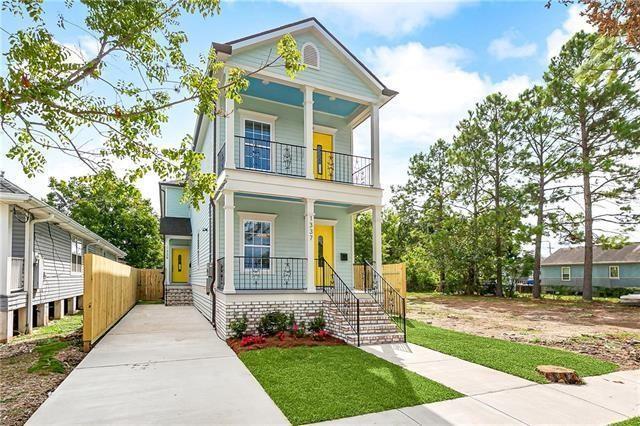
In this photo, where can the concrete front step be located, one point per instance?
(375, 338)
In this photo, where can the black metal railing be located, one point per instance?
(344, 168)
(269, 273)
(340, 294)
(389, 299)
(220, 160)
(220, 273)
(270, 157)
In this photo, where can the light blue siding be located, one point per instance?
(629, 276)
(334, 73)
(173, 205)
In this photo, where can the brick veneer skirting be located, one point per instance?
(229, 310)
(178, 295)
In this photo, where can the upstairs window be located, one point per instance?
(257, 145)
(310, 55)
(565, 273)
(614, 272)
(76, 254)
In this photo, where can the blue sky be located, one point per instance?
(442, 57)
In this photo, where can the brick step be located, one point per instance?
(369, 328)
(375, 339)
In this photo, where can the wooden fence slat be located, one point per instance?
(150, 284)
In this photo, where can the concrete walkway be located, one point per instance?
(494, 397)
(160, 365)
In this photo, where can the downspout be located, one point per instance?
(28, 265)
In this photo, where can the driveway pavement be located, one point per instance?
(160, 365)
(494, 397)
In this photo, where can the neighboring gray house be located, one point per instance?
(611, 268)
(34, 233)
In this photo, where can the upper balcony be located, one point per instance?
(290, 160)
(299, 132)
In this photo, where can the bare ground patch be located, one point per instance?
(22, 392)
(605, 330)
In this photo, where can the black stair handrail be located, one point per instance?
(390, 300)
(341, 295)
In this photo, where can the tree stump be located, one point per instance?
(556, 374)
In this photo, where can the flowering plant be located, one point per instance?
(320, 335)
(252, 340)
(281, 336)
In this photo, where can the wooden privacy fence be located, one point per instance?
(394, 273)
(150, 287)
(111, 289)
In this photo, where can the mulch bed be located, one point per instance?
(288, 342)
(21, 392)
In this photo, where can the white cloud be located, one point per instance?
(84, 49)
(436, 91)
(377, 17)
(504, 47)
(573, 24)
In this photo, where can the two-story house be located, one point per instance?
(278, 232)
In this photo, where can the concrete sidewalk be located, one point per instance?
(160, 365)
(498, 398)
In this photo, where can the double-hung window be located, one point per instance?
(614, 272)
(257, 240)
(257, 145)
(76, 254)
(565, 273)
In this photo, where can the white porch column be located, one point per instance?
(5, 248)
(229, 251)
(308, 129)
(216, 245)
(309, 213)
(375, 145)
(229, 122)
(376, 219)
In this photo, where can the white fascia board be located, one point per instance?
(283, 186)
(12, 198)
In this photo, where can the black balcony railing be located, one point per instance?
(266, 273)
(344, 168)
(270, 157)
(220, 273)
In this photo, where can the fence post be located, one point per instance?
(87, 303)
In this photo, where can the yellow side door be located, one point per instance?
(323, 156)
(323, 237)
(180, 265)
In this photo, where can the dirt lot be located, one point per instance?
(606, 330)
(31, 369)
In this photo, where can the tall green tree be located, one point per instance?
(492, 127)
(600, 116)
(427, 195)
(50, 91)
(115, 210)
(544, 161)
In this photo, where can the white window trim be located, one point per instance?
(75, 238)
(262, 217)
(259, 117)
(562, 274)
(614, 266)
(315, 67)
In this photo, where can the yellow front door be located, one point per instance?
(180, 265)
(323, 237)
(323, 156)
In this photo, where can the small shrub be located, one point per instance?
(272, 323)
(317, 324)
(252, 340)
(299, 330)
(291, 322)
(238, 327)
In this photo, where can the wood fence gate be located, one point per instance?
(150, 284)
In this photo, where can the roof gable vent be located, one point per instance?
(310, 55)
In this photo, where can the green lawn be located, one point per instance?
(518, 359)
(633, 421)
(56, 328)
(312, 384)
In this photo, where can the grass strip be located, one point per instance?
(519, 359)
